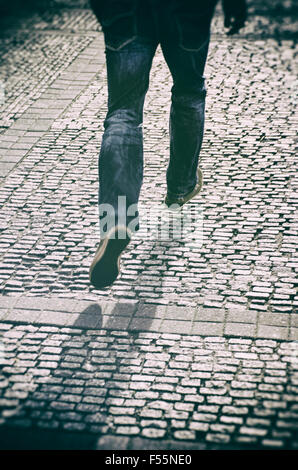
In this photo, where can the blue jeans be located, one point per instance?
(184, 39)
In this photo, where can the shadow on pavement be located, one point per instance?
(92, 315)
(67, 406)
(36, 439)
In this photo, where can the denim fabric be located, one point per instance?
(132, 34)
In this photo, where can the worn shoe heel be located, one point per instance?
(105, 267)
(172, 200)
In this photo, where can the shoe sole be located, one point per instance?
(105, 267)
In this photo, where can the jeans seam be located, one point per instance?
(115, 49)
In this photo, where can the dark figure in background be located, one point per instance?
(133, 29)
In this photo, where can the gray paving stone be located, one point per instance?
(265, 331)
(6, 167)
(206, 328)
(274, 319)
(240, 329)
(174, 326)
(242, 317)
(208, 314)
(293, 334)
(23, 316)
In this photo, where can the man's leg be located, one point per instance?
(187, 112)
(121, 155)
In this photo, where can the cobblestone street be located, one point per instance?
(193, 347)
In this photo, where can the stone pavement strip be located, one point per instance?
(195, 346)
(139, 316)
